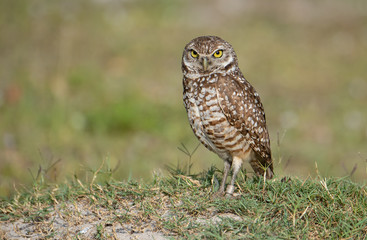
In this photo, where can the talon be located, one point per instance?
(218, 194)
(230, 190)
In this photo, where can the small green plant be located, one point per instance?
(100, 235)
(189, 155)
(183, 206)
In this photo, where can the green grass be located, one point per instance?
(183, 206)
(82, 81)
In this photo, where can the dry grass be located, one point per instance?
(82, 81)
(183, 206)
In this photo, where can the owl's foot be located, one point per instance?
(218, 194)
(229, 191)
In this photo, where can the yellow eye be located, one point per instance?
(218, 53)
(194, 54)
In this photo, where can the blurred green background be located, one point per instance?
(82, 82)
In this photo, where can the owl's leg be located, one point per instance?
(236, 166)
(227, 167)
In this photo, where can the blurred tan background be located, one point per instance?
(82, 82)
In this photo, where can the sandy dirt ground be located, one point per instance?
(81, 220)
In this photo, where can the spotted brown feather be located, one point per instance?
(224, 110)
(243, 109)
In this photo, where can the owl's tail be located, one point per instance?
(270, 172)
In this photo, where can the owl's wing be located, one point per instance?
(243, 109)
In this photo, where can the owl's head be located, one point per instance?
(206, 55)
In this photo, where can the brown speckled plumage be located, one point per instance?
(224, 110)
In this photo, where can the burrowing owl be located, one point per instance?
(224, 110)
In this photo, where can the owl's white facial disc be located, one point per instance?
(207, 55)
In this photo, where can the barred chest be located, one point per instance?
(207, 119)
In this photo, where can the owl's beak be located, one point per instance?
(205, 63)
